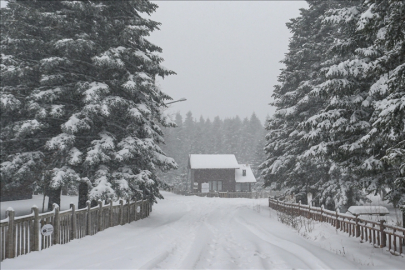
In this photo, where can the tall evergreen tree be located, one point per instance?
(353, 132)
(289, 160)
(383, 23)
(88, 98)
(344, 119)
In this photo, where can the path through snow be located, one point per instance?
(195, 233)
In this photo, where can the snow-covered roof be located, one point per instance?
(213, 162)
(249, 178)
(368, 210)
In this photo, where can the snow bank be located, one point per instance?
(368, 210)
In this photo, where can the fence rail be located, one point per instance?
(249, 195)
(376, 233)
(21, 235)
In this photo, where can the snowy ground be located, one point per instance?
(211, 233)
(23, 207)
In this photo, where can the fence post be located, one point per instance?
(129, 211)
(141, 210)
(73, 228)
(111, 213)
(56, 225)
(10, 247)
(337, 219)
(35, 239)
(88, 225)
(135, 212)
(358, 227)
(322, 218)
(121, 212)
(299, 207)
(383, 235)
(100, 215)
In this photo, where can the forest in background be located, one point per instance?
(243, 138)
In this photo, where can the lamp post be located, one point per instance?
(171, 102)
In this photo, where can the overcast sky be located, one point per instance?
(226, 54)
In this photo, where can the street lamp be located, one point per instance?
(182, 99)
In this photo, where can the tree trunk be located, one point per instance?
(54, 197)
(83, 191)
(65, 190)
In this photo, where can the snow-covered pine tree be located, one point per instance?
(174, 147)
(344, 119)
(22, 136)
(217, 139)
(383, 23)
(289, 147)
(94, 93)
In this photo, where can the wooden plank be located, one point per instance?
(27, 228)
(73, 223)
(88, 223)
(36, 229)
(1, 243)
(18, 232)
(56, 226)
(100, 215)
(10, 235)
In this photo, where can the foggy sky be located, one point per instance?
(226, 54)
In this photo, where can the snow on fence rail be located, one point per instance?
(21, 235)
(249, 195)
(377, 233)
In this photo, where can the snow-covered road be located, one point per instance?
(195, 233)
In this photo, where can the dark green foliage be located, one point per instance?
(79, 98)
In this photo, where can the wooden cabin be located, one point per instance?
(222, 173)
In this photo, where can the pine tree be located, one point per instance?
(345, 119)
(383, 23)
(353, 133)
(90, 101)
(289, 162)
(217, 139)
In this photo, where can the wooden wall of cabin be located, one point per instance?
(227, 176)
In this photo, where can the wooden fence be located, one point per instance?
(377, 233)
(21, 235)
(249, 195)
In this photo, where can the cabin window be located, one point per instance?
(244, 173)
(215, 185)
(242, 187)
(219, 185)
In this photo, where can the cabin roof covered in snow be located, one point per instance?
(368, 210)
(249, 178)
(213, 162)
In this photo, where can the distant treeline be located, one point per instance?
(243, 138)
